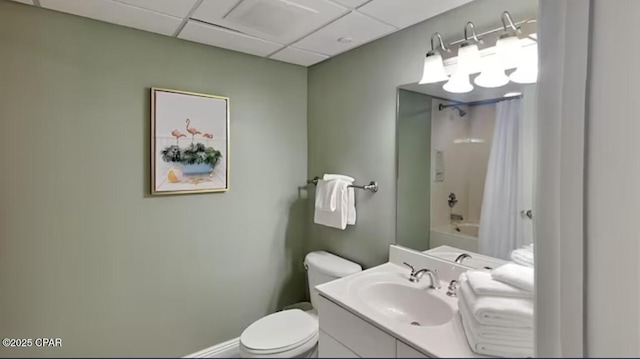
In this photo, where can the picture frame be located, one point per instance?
(189, 142)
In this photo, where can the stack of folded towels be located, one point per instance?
(497, 307)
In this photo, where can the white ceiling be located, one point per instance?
(302, 32)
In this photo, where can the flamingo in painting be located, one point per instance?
(208, 135)
(177, 134)
(192, 130)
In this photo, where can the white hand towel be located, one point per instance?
(516, 336)
(327, 195)
(498, 311)
(516, 275)
(351, 197)
(482, 283)
(336, 218)
(493, 348)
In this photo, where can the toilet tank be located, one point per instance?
(324, 267)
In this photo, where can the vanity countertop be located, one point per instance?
(444, 340)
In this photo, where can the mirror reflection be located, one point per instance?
(466, 163)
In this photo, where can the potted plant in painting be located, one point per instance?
(194, 159)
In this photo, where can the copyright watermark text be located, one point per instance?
(31, 342)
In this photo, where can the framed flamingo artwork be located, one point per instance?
(189, 142)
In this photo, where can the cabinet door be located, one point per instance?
(331, 348)
(405, 351)
(362, 338)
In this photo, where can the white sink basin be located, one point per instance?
(393, 297)
(385, 297)
(407, 305)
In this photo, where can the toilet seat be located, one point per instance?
(288, 333)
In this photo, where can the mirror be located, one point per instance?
(465, 170)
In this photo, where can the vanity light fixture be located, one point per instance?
(458, 83)
(433, 70)
(468, 53)
(507, 47)
(468, 63)
(527, 71)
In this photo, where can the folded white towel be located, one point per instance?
(326, 213)
(498, 311)
(327, 195)
(494, 348)
(482, 283)
(351, 196)
(523, 256)
(492, 333)
(329, 176)
(516, 275)
(351, 206)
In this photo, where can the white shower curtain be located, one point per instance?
(501, 226)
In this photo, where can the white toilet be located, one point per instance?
(293, 333)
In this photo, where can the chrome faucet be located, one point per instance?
(415, 276)
(461, 257)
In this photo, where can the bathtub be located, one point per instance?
(461, 235)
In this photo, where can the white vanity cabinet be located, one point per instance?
(345, 335)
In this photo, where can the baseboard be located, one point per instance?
(228, 349)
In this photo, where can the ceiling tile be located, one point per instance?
(403, 13)
(178, 8)
(351, 3)
(116, 13)
(358, 28)
(298, 57)
(215, 36)
(282, 21)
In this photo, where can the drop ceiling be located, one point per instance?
(302, 32)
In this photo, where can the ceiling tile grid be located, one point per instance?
(404, 13)
(178, 8)
(302, 32)
(344, 34)
(298, 56)
(117, 13)
(282, 21)
(228, 39)
(353, 4)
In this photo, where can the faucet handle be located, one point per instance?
(413, 269)
(453, 287)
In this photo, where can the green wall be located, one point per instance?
(351, 121)
(414, 170)
(85, 253)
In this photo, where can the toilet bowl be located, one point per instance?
(290, 334)
(294, 333)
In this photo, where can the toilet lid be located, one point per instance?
(279, 330)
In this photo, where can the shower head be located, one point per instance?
(461, 112)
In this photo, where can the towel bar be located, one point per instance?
(372, 186)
